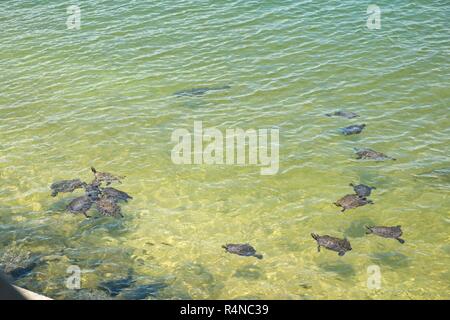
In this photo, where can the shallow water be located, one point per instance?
(103, 96)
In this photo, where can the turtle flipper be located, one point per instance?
(400, 240)
(318, 248)
(341, 253)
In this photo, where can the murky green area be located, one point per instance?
(103, 96)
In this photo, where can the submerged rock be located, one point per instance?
(17, 263)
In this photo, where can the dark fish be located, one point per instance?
(198, 91)
(143, 291)
(114, 287)
(345, 114)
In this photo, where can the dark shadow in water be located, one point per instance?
(341, 268)
(193, 277)
(114, 287)
(143, 291)
(357, 228)
(391, 259)
(250, 272)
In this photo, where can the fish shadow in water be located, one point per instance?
(199, 91)
(340, 268)
(250, 272)
(391, 259)
(357, 229)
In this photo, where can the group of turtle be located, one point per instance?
(106, 199)
(359, 198)
(349, 201)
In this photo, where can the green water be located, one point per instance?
(103, 96)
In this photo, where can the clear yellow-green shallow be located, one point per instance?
(103, 96)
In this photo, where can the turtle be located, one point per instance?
(92, 190)
(351, 201)
(199, 91)
(345, 114)
(387, 232)
(362, 190)
(331, 243)
(115, 194)
(242, 250)
(108, 207)
(108, 178)
(66, 186)
(372, 155)
(353, 129)
(80, 205)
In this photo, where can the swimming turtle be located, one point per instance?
(93, 190)
(199, 91)
(372, 155)
(387, 232)
(362, 190)
(353, 129)
(108, 178)
(242, 250)
(66, 186)
(115, 194)
(340, 113)
(351, 201)
(108, 207)
(80, 205)
(335, 244)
